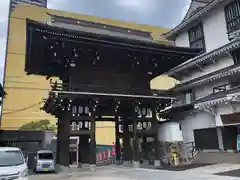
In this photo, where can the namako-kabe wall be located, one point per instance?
(25, 93)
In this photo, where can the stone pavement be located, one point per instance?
(124, 173)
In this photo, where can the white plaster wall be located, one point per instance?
(193, 6)
(182, 40)
(203, 119)
(194, 121)
(207, 89)
(237, 107)
(170, 132)
(220, 63)
(215, 30)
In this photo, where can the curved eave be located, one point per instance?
(106, 29)
(194, 18)
(207, 104)
(224, 97)
(176, 110)
(175, 55)
(188, 12)
(224, 73)
(149, 45)
(209, 56)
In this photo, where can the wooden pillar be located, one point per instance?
(127, 150)
(144, 148)
(79, 153)
(136, 153)
(63, 140)
(156, 142)
(117, 141)
(93, 145)
(84, 149)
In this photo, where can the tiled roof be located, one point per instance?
(196, 6)
(216, 98)
(176, 110)
(225, 72)
(195, 17)
(208, 56)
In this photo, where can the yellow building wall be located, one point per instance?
(25, 93)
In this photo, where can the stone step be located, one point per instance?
(217, 157)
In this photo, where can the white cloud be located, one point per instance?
(185, 8)
(134, 5)
(2, 56)
(4, 9)
(56, 4)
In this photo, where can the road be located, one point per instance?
(124, 173)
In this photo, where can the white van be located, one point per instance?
(12, 164)
(45, 161)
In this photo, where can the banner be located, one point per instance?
(238, 142)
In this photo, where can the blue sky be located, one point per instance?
(164, 13)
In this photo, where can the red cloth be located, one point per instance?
(113, 151)
(104, 155)
(109, 153)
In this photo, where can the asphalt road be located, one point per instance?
(127, 173)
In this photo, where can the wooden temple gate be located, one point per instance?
(101, 76)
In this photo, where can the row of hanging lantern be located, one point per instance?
(143, 112)
(78, 110)
(140, 126)
(77, 126)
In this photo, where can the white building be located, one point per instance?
(210, 81)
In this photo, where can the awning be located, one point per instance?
(231, 119)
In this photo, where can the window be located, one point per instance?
(180, 126)
(196, 37)
(189, 98)
(45, 156)
(232, 15)
(11, 158)
(236, 56)
(221, 88)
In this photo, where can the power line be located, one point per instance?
(23, 109)
(27, 88)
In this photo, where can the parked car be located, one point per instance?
(45, 161)
(12, 164)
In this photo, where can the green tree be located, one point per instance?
(42, 125)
